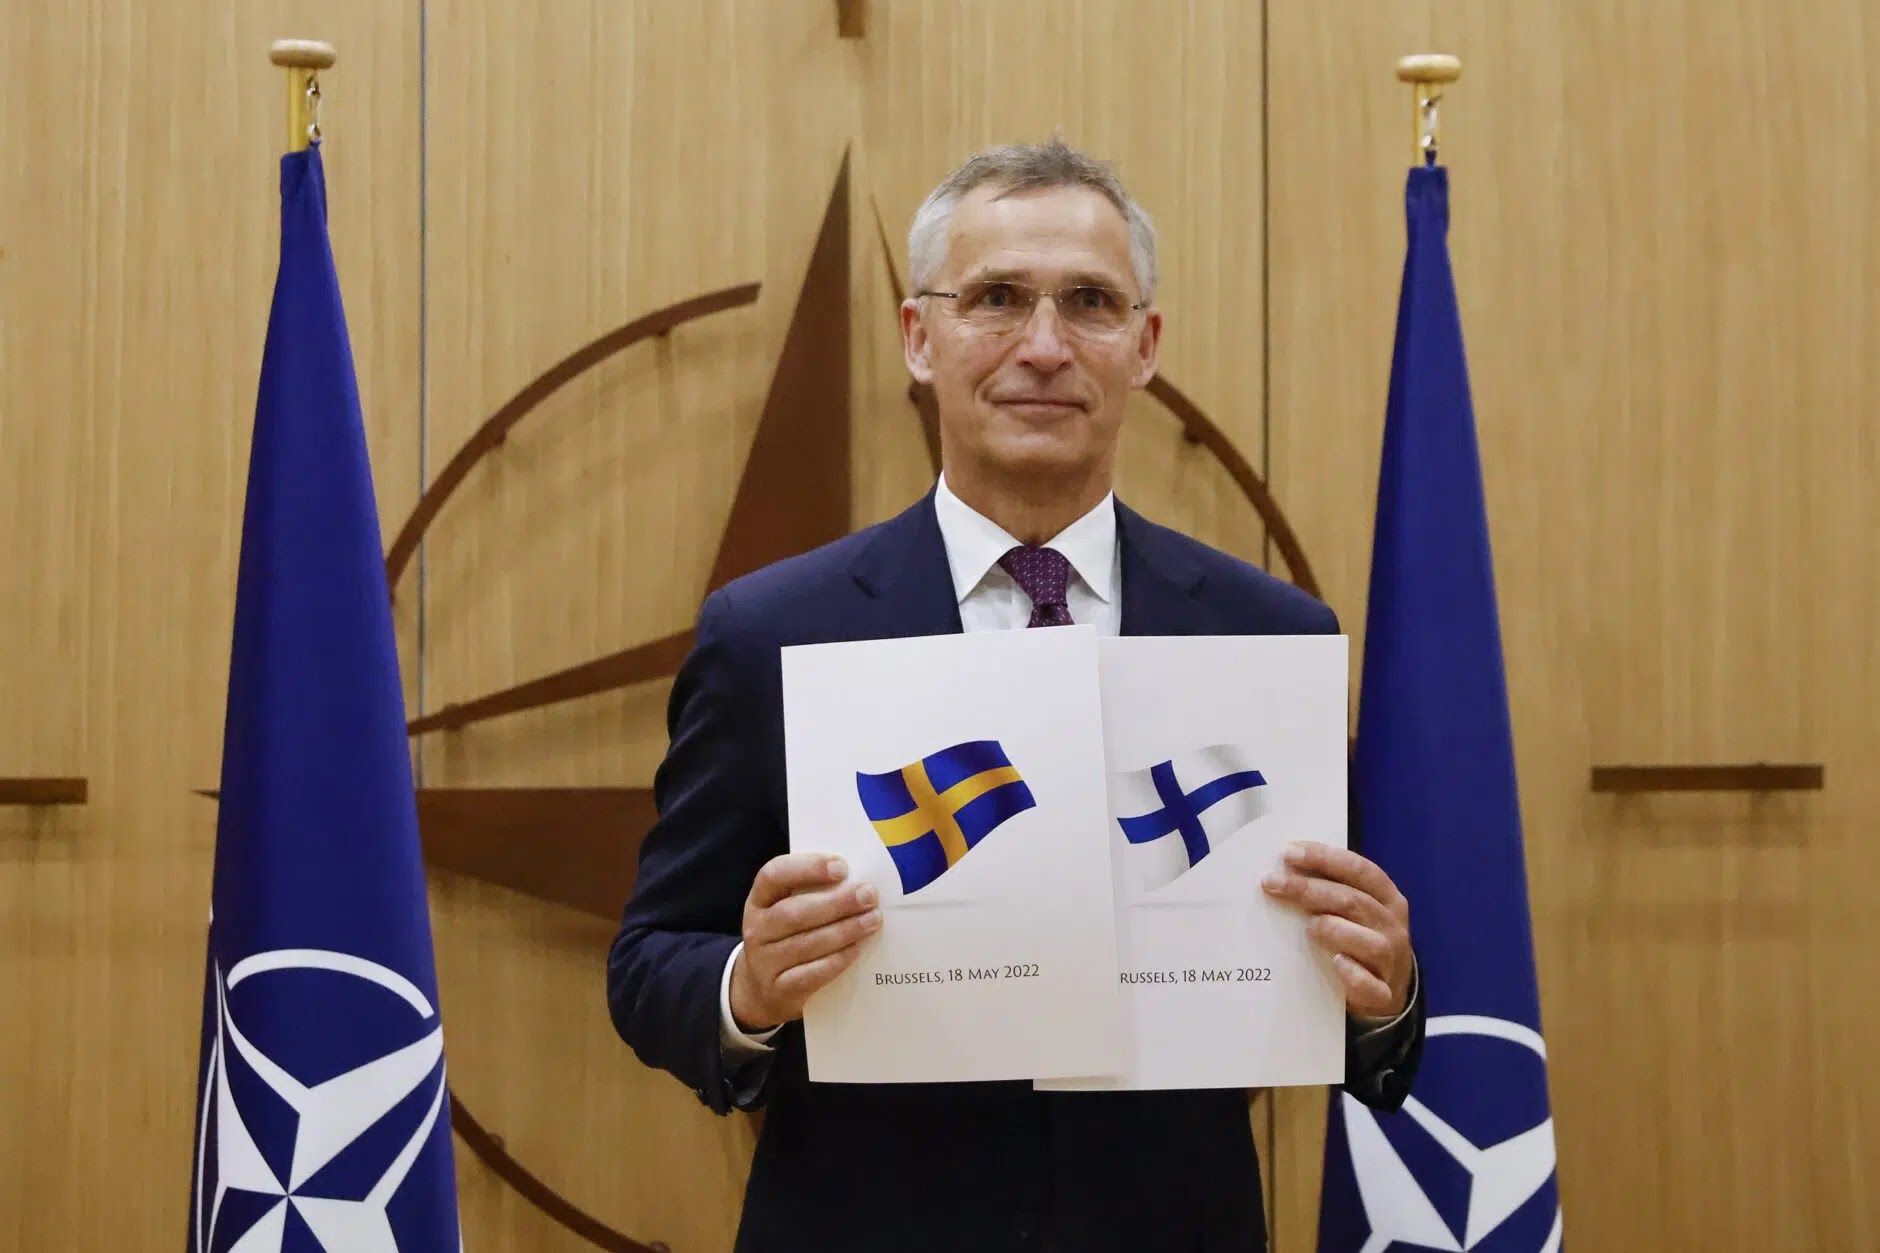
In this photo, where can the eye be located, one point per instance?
(996, 296)
(1096, 300)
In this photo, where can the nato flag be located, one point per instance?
(1469, 1162)
(323, 1121)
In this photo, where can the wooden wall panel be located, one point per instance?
(1670, 344)
(589, 163)
(1338, 150)
(138, 226)
(1173, 96)
(44, 447)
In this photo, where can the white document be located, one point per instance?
(1221, 751)
(963, 776)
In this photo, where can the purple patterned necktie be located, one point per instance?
(1044, 573)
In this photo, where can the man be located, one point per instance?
(1033, 320)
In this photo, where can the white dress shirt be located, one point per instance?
(991, 600)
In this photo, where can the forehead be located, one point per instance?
(1048, 234)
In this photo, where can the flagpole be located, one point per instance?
(303, 59)
(1426, 73)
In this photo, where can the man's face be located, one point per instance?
(1038, 397)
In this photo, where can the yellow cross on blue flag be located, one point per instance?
(933, 812)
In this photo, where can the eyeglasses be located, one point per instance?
(1000, 306)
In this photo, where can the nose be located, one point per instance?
(1042, 344)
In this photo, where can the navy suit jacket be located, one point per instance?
(903, 1168)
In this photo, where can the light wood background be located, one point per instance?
(1662, 244)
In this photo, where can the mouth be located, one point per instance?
(1039, 406)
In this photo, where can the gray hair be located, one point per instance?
(1016, 168)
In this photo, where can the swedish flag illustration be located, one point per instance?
(930, 813)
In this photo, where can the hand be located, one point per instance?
(1358, 916)
(802, 927)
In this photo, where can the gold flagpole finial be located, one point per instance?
(1427, 72)
(303, 59)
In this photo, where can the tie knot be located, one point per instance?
(1045, 574)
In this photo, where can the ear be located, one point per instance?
(1147, 345)
(916, 346)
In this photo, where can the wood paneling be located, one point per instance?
(138, 224)
(1172, 95)
(1337, 150)
(1663, 262)
(588, 163)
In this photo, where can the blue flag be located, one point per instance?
(1469, 1162)
(323, 1121)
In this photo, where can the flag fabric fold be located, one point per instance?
(323, 1117)
(1469, 1162)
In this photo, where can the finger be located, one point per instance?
(807, 911)
(791, 873)
(1324, 896)
(799, 982)
(808, 946)
(1343, 866)
(1365, 993)
(1361, 944)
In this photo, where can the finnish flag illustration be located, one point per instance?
(1174, 813)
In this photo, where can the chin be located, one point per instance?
(1042, 456)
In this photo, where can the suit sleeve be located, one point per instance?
(712, 834)
(1380, 1064)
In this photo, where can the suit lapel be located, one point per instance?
(904, 586)
(1160, 580)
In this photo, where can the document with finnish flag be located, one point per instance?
(962, 776)
(1221, 751)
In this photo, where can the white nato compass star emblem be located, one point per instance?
(1469, 1190)
(305, 1134)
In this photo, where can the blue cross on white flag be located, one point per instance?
(1176, 812)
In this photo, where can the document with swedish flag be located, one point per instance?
(1222, 750)
(962, 776)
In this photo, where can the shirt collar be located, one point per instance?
(974, 543)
